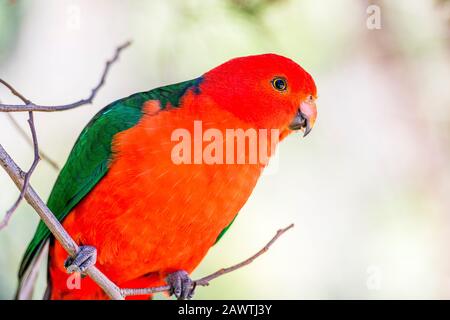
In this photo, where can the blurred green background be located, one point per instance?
(368, 190)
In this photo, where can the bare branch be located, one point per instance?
(18, 176)
(205, 280)
(22, 132)
(30, 106)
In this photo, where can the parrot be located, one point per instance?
(144, 219)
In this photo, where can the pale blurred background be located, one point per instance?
(368, 190)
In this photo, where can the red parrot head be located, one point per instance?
(267, 91)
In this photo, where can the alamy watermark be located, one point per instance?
(226, 146)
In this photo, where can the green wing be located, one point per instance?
(89, 159)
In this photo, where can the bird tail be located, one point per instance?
(27, 281)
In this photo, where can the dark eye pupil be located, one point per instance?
(279, 84)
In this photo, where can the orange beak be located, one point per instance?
(305, 117)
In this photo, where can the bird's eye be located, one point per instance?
(280, 84)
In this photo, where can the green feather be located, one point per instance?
(89, 159)
(225, 230)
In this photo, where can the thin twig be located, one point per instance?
(22, 132)
(30, 106)
(28, 174)
(205, 280)
(15, 92)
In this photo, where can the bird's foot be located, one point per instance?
(181, 285)
(85, 258)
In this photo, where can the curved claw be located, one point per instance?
(182, 286)
(85, 258)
